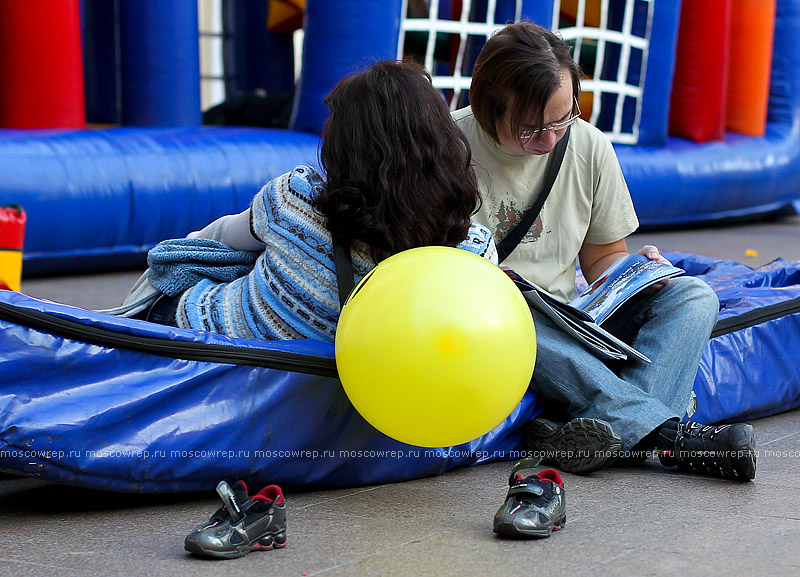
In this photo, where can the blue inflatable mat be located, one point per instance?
(98, 401)
(750, 367)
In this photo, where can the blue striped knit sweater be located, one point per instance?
(291, 293)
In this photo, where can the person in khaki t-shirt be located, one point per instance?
(590, 202)
(524, 98)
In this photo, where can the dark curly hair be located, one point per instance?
(522, 64)
(398, 169)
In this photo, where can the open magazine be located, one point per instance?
(583, 316)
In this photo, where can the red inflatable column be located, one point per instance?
(697, 107)
(41, 69)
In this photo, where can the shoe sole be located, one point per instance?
(268, 542)
(511, 530)
(580, 446)
(748, 462)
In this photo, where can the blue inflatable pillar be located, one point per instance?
(160, 63)
(100, 60)
(661, 66)
(539, 12)
(255, 57)
(341, 37)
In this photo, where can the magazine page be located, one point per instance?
(622, 280)
(525, 285)
(592, 336)
(571, 327)
(574, 322)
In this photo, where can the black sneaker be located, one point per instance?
(724, 451)
(582, 445)
(535, 505)
(243, 523)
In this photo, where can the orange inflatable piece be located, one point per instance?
(285, 16)
(750, 60)
(586, 103)
(591, 16)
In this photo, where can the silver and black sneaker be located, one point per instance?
(535, 505)
(726, 451)
(243, 524)
(579, 446)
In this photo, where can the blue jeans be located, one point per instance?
(671, 327)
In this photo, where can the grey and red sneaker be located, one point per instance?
(243, 524)
(726, 451)
(535, 505)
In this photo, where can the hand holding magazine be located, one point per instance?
(628, 276)
(582, 317)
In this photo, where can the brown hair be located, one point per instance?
(398, 169)
(523, 64)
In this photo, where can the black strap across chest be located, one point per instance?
(344, 268)
(513, 238)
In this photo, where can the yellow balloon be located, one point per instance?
(435, 346)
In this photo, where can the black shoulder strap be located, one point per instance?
(344, 269)
(513, 238)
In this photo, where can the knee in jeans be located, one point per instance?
(701, 297)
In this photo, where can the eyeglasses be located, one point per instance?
(535, 133)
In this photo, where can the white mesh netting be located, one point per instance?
(447, 44)
(610, 39)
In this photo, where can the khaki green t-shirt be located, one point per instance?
(589, 201)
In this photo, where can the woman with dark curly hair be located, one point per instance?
(398, 168)
(398, 176)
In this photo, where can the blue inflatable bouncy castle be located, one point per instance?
(103, 197)
(131, 406)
